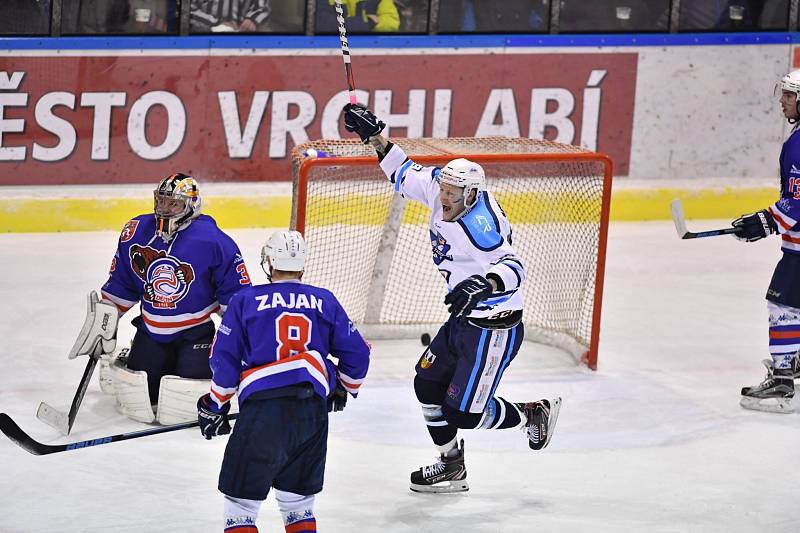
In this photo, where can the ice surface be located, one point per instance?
(655, 441)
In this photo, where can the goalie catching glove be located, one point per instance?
(465, 296)
(753, 227)
(358, 119)
(99, 332)
(213, 420)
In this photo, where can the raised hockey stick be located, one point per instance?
(25, 441)
(63, 421)
(680, 225)
(348, 68)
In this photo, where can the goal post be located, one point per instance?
(372, 248)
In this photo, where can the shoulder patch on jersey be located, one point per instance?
(128, 230)
(481, 226)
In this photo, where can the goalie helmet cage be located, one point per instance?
(371, 247)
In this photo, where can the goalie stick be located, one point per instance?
(63, 421)
(680, 225)
(26, 442)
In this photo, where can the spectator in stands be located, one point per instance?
(228, 15)
(20, 17)
(361, 16)
(487, 16)
(95, 16)
(614, 16)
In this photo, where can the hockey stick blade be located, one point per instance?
(26, 442)
(53, 418)
(680, 225)
(61, 421)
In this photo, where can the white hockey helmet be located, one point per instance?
(790, 83)
(285, 250)
(464, 173)
(176, 202)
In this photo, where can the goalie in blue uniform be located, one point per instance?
(458, 373)
(180, 268)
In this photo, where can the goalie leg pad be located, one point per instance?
(177, 399)
(99, 332)
(130, 389)
(104, 376)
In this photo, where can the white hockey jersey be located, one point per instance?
(479, 242)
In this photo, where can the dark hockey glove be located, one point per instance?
(358, 119)
(338, 399)
(465, 296)
(753, 227)
(213, 420)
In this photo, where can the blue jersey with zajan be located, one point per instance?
(180, 283)
(282, 334)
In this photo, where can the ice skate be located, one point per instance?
(774, 394)
(448, 474)
(542, 417)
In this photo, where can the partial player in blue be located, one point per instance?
(775, 393)
(273, 351)
(181, 268)
(458, 373)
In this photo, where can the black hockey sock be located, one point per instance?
(500, 414)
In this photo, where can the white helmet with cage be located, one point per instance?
(467, 174)
(790, 83)
(284, 250)
(176, 203)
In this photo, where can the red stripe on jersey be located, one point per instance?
(779, 220)
(190, 322)
(220, 397)
(304, 356)
(784, 334)
(241, 529)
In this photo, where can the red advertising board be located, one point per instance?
(131, 118)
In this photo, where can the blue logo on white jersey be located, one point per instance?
(440, 248)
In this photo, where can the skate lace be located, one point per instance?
(433, 470)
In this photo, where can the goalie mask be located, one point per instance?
(790, 83)
(467, 175)
(284, 251)
(176, 202)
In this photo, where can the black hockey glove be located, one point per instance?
(465, 296)
(358, 119)
(753, 227)
(213, 421)
(338, 399)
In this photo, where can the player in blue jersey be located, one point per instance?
(775, 393)
(457, 375)
(181, 268)
(272, 350)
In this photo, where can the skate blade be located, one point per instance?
(442, 488)
(781, 405)
(555, 408)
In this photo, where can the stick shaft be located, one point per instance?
(25, 441)
(348, 67)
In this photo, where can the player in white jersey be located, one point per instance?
(458, 373)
